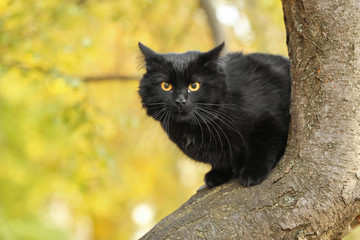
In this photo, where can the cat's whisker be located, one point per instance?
(226, 137)
(234, 127)
(210, 123)
(212, 135)
(223, 105)
(164, 120)
(218, 114)
(153, 105)
(226, 120)
(224, 113)
(197, 123)
(159, 114)
(228, 106)
(164, 104)
(168, 121)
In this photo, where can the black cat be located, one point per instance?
(231, 111)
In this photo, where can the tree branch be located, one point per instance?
(217, 29)
(109, 77)
(54, 71)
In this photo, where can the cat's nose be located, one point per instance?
(180, 101)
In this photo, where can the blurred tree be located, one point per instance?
(216, 27)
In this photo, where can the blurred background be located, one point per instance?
(79, 159)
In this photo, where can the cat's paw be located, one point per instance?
(250, 176)
(216, 178)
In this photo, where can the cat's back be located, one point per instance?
(254, 65)
(259, 82)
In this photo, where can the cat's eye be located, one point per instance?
(194, 86)
(166, 86)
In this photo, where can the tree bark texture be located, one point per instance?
(314, 192)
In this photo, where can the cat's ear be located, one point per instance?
(148, 53)
(210, 58)
(150, 57)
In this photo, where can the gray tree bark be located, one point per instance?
(314, 192)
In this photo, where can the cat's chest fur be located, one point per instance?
(204, 142)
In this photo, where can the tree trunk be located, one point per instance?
(217, 29)
(314, 192)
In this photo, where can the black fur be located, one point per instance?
(238, 119)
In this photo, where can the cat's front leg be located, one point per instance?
(266, 147)
(217, 176)
(253, 175)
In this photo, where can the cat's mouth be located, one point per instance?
(182, 115)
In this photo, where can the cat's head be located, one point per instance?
(177, 86)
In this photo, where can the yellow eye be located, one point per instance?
(194, 86)
(166, 86)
